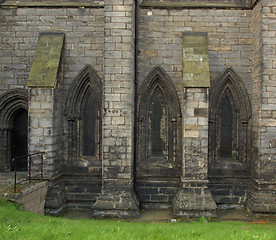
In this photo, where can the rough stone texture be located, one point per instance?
(44, 128)
(195, 60)
(116, 203)
(240, 38)
(160, 41)
(34, 198)
(46, 61)
(195, 136)
(262, 195)
(194, 200)
(197, 3)
(158, 175)
(20, 28)
(193, 197)
(118, 116)
(56, 201)
(229, 173)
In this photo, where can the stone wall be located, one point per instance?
(117, 197)
(160, 41)
(20, 28)
(268, 94)
(103, 37)
(257, 69)
(33, 197)
(84, 31)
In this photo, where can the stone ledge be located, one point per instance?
(17, 4)
(174, 5)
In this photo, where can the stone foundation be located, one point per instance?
(194, 200)
(261, 199)
(117, 204)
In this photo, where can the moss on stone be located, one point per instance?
(195, 60)
(46, 60)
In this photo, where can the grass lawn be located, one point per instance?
(18, 224)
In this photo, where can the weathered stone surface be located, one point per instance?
(262, 200)
(123, 51)
(46, 61)
(56, 199)
(194, 201)
(195, 60)
(116, 203)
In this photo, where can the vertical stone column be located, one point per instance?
(5, 151)
(262, 198)
(45, 116)
(194, 198)
(45, 135)
(43, 130)
(118, 198)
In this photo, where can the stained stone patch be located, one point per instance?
(195, 60)
(46, 60)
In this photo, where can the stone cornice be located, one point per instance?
(18, 4)
(189, 5)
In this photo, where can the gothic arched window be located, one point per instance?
(159, 138)
(157, 126)
(83, 109)
(159, 120)
(226, 128)
(230, 112)
(89, 128)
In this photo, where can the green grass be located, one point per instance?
(18, 224)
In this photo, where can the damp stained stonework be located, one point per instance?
(145, 104)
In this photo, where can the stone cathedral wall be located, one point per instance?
(122, 48)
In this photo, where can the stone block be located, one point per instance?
(192, 133)
(191, 203)
(200, 112)
(116, 204)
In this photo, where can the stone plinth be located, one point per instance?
(116, 203)
(194, 199)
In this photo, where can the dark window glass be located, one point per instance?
(156, 121)
(89, 126)
(19, 139)
(226, 129)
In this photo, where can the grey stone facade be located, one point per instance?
(157, 141)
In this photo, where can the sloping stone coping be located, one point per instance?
(32, 197)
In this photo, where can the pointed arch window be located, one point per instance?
(230, 112)
(83, 109)
(89, 127)
(159, 124)
(226, 127)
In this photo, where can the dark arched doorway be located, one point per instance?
(19, 140)
(13, 125)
